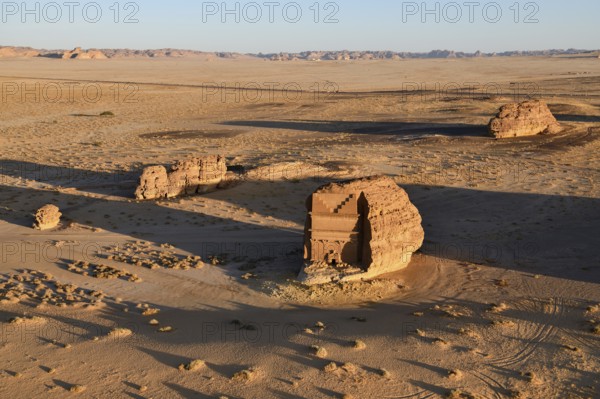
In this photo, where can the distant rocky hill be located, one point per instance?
(98, 54)
(8, 52)
(345, 55)
(77, 53)
(391, 55)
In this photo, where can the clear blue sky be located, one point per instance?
(362, 25)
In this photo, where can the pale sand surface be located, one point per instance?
(504, 291)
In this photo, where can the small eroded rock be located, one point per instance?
(47, 217)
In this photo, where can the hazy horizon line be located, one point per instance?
(304, 51)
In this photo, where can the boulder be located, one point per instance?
(358, 230)
(47, 217)
(190, 177)
(528, 118)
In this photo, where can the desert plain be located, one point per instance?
(196, 297)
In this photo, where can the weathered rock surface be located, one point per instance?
(194, 176)
(10, 52)
(528, 118)
(358, 230)
(154, 183)
(80, 54)
(47, 217)
(91, 55)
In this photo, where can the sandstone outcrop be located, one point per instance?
(154, 183)
(78, 54)
(194, 176)
(67, 55)
(12, 52)
(528, 118)
(358, 230)
(91, 55)
(47, 217)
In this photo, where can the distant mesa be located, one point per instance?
(76, 54)
(15, 52)
(359, 229)
(190, 177)
(346, 55)
(47, 217)
(90, 55)
(528, 118)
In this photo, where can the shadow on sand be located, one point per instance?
(396, 129)
(533, 233)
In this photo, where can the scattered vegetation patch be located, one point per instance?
(120, 333)
(44, 289)
(497, 308)
(350, 368)
(571, 348)
(320, 325)
(77, 389)
(359, 345)
(245, 375)
(319, 351)
(331, 367)
(450, 311)
(27, 320)
(142, 254)
(530, 377)
(218, 260)
(503, 323)
(194, 365)
(593, 309)
(148, 311)
(455, 374)
(102, 272)
(468, 332)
